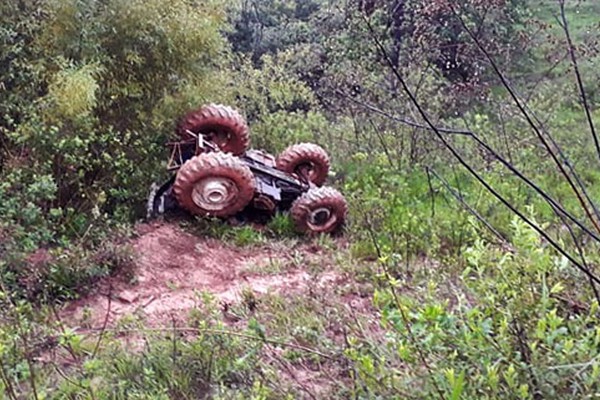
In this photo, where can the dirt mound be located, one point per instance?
(173, 267)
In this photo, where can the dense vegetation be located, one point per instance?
(433, 111)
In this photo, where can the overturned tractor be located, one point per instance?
(217, 175)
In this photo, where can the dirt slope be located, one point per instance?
(172, 268)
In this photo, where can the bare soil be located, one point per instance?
(173, 267)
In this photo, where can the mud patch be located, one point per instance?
(173, 268)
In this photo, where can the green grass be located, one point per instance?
(583, 16)
(425, 300)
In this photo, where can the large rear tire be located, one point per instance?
(306, 160)
(214, 184)
(320, 210)
(221, 124)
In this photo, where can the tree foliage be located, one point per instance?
(91, 91)
(95, 88)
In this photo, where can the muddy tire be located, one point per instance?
(220, 124)
(214, 184)
(305, 160)
(320, 210)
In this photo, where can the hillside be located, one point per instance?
(452, 255)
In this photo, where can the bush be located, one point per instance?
(111, 80)
(508, 329)
(94, 90)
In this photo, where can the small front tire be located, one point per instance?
(305, 160)
(320, 210)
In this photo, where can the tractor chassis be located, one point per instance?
(275, 189)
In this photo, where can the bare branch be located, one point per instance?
(469, 168)
(586, 106)
(470, 209)
(550, 200)
(526, 113)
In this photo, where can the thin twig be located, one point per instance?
(549, 199)
(522, 107)
(470, 209)
(32, 372)
(217, 332)
(582, 257)
(470, 169)
(61, 327)
(66, 378)
(399, 119)
(7, 383)
(431, 193)
(104, 323)
(584, 365)
(570, 167)
(573, 56)
(403, 315)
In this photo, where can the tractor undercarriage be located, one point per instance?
(216, 175)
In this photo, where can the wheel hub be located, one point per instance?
(220, 137)
(320, 216)
(306, 170)
(215, 193)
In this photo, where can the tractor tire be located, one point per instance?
(320, 210)
(306, 160)
(221, 124)
(214, 184)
